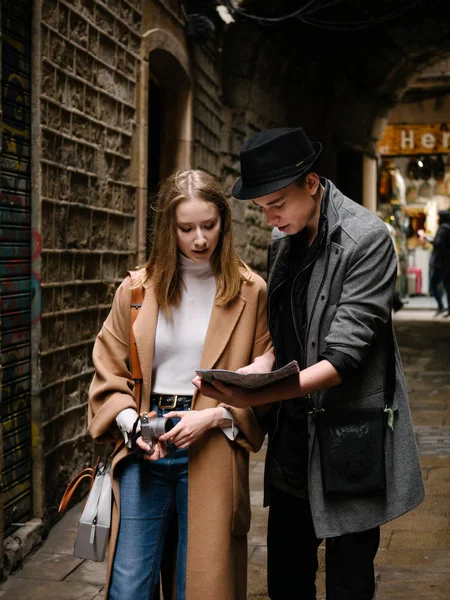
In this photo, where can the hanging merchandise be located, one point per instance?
(400, 186)
(439, 175)
(431, 221)
(425, 190)
(413, 169)
(447, 177)
(439, 167)
(391, 186)
(385, 185)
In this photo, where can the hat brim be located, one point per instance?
(243, 192)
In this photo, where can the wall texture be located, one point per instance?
(90, 58)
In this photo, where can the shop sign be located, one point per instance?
(400, 140)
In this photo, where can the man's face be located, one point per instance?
(292, 208)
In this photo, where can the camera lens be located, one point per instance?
(159, 425)
(168, 425)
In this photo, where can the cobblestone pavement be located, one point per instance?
(413, 562)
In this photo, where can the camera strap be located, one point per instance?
(135, 435)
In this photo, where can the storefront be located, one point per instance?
(413, 186)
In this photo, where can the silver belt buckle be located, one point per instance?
(171, 405)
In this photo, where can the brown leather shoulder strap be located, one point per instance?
(88, 473)
(137, 298)
(70, 490)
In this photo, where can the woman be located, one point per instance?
(202, 308)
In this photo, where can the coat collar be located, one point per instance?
(335, 199)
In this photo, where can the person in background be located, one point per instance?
(202, 308)
(440, 262)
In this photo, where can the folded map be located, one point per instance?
(251, 380)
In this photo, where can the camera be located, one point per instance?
(153, 428)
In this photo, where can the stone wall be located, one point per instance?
(208, 107)
(423, 112)
(90, 62)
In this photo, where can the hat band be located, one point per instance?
(275, 174)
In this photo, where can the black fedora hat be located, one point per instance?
(273, 159)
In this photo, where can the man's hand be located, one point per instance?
(320, 376)
(261, 364)
(192, 425)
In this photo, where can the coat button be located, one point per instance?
(336, 251)
(322, 297)
(313, 344)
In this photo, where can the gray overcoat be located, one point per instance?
(349, 302)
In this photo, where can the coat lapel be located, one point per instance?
(144, 331)
(221, 325)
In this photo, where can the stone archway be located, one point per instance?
(170, 71)
(165, 110)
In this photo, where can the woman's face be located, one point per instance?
(198, 228)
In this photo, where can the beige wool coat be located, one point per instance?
(218, 496)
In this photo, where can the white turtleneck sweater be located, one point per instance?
(179, 340)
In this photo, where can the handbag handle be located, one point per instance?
(88, 473)
(70, 490)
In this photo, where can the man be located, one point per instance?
(332, 270)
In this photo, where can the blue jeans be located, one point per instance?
(150, 493)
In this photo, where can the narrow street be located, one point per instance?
(413, 562)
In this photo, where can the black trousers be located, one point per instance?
(292, 555)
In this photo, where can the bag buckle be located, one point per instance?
(312, 410)
(390, 417)
(172, 404)
(315, 411)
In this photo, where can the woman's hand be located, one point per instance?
(193, 424)
(160, 449)
(261, 364)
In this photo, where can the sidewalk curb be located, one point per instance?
(21, 543)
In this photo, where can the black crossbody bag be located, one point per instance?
(352, 441)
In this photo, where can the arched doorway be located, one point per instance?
(169, 123)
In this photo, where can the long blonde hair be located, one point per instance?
(162, 265)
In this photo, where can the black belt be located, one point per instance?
(170, 401)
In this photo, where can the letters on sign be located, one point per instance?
(415, 139)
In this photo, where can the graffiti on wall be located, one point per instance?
(20, 248)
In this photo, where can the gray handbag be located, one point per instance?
(95, 521)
